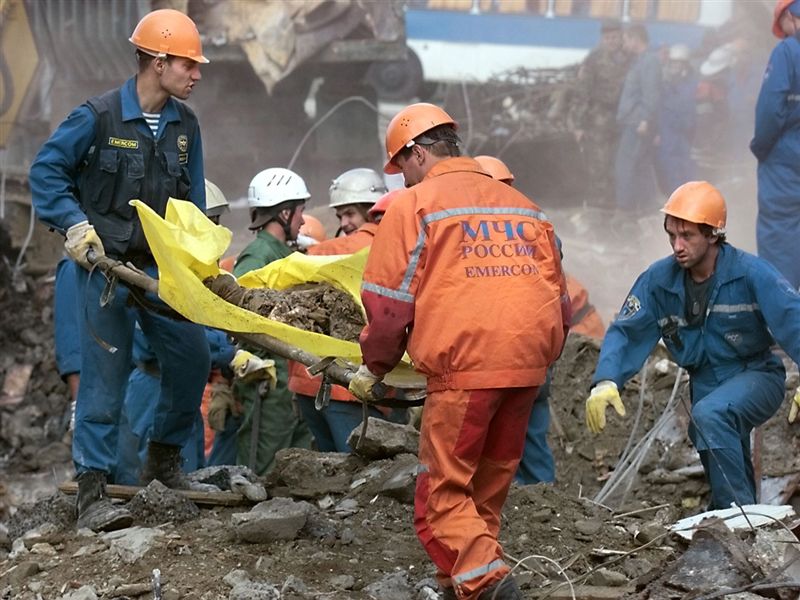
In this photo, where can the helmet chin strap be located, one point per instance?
(286, 223)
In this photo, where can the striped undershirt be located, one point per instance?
(152, 121)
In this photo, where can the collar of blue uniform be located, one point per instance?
(131, 109)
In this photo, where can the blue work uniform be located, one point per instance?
(674, 163)
(537, 464)
(65, 318)
(737, 383)
(136, 424)
(776, 145)
(100, 157)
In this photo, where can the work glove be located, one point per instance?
(362, 383)
(222, 402)
(603, 394)
(247, 367)
(80, 238)
(795, 408)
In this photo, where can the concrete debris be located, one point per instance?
(384, 439)
(254, 492)
(252, 590)
(85, 592)
(343, 582)
(608, 578)
(157, 504)
(394, 586)
(309, 474)
(276, 519)
(133, 543)
(400, 480)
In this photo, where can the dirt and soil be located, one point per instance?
(359, 541)
(317, 307)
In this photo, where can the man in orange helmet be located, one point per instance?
(537, 464)
(465, 274)
(717, 309)
(332, 425)
(136, 141)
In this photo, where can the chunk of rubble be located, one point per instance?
(157, 504)
(276, 519)
(384, 439)
(132, 543)
(310, 474)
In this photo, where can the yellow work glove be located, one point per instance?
(222, 402)
(795, 406)
(247, 367)
(81, 237)
(603, 394)
(362, 383)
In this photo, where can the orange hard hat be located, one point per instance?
(168, 32)
(313, 227)
(698, 202)
(412, 121)
(496, 168)
(382, 204)
(780, 7)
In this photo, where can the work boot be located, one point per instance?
(95, 510)
(164, 463)
(505, 589)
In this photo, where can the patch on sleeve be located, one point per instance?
(630, 308)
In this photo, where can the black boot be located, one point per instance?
(95, 510)
(164, 463)
(505, 589)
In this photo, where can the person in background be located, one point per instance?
(332, 425)
(277, 197)
(674, 163)
(776, 145)
(596, 98)
(537, 464)
(637, 117)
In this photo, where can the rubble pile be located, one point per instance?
(339, 527)
(317, 307)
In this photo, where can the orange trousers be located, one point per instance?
(470, 445)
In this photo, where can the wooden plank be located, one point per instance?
(126, 492)
(588, 592)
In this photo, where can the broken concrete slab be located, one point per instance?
(400, 480)
(757, 515)
(384, 439)
(133, 543)
(309, 474)
(276, 519)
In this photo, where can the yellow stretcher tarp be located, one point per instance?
(187, 247)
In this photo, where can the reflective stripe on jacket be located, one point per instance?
(465, 272)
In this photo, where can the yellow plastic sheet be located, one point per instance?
(187, 246)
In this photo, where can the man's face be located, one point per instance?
(612, 40)
(297, 221)
(178, 75)
(412, 165)
(788, 23)
(351, 217)
(689, 245)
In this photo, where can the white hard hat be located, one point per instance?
(720, 59)
(216, 203)
(680, 52)
(275, 186)
(356, 186)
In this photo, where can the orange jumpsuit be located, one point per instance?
(464, 273)
(585, 319)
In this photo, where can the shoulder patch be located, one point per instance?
(183, 143)
(630, 308)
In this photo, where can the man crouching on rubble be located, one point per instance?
(464, 272)
(716, 308)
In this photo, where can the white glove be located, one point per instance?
(246, 366)
(362, 383)
(80, 238)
